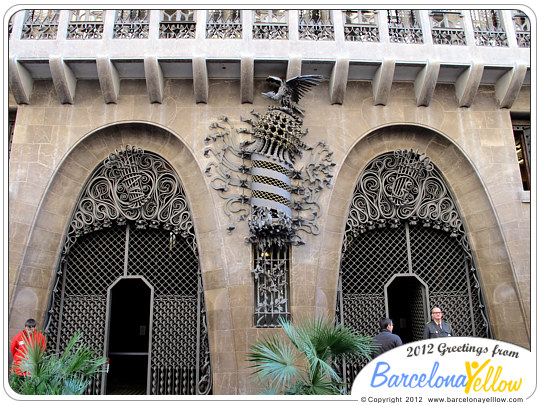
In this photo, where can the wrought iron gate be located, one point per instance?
(403, 221)
(132, 219)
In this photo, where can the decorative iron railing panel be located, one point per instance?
(177, 24)
(316, 25)
(488, 28)
(133, 220)
(447, 27)
(403, 221)
(224, 24)
(40, 24)
(361, 25)
(522, 26)
(270, 24)
(85, 24)
(403, 27)
(131, 24)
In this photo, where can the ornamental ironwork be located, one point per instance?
(40, 24)
(522, 26)
(447, 27)
(131, 24)
(316, 25)
(488, 28)
(361, 25)
(177, 24)
(404, 27)
(403, 224)
(256, 172)
(133, 220)
(224, 24)
(85, 24)
(270, 24)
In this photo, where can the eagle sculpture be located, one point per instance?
(289, 93)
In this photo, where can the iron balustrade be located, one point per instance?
(404, 27)
(358, 25)
(361, 25)
(270, 24)
(85, 24)
(177, 24)
(488, 28)
(316, 25)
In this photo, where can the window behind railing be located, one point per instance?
(85, 24)
(488, 28)
(404, 27)
(177, 24)
(316, 25)
(131, 24)
(522, 26)
(224, 24)
(40, 24)
(270, 24)
(361, 25)
(271, 274)
(447, 27)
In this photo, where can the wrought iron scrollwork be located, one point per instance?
(133, 219)
(256, 171)
(400, 186)
(403, 221)
(132, 185)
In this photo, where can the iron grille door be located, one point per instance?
(403, 221)
(133, 220)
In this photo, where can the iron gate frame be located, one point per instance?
(126, 181)
(106, 352)
(403, 188)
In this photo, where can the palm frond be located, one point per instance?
(320, 341)
(274, 361)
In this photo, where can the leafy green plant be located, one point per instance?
(68, 373)
(301, 364)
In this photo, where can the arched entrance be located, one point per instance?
(133, 221)
(406, 250)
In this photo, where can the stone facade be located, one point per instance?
(56, 147)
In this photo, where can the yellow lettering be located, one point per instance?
(471, 376)
(487, 384)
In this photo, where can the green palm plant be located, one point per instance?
(49, 374)
(302, 364)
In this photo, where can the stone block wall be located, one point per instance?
(56, 147)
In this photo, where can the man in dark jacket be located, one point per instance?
(437, 328)
(385, 340)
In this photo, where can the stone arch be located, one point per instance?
(478, 214)
(56, 207)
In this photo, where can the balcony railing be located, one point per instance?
(131, 24)
(446, 27)
(40, 24)
(177, 24)
(404, 27)
(270, 24)
(361, 25)
(224, 24)
(316, 25)
(488, 28)
(522, 26)
(85, 24)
